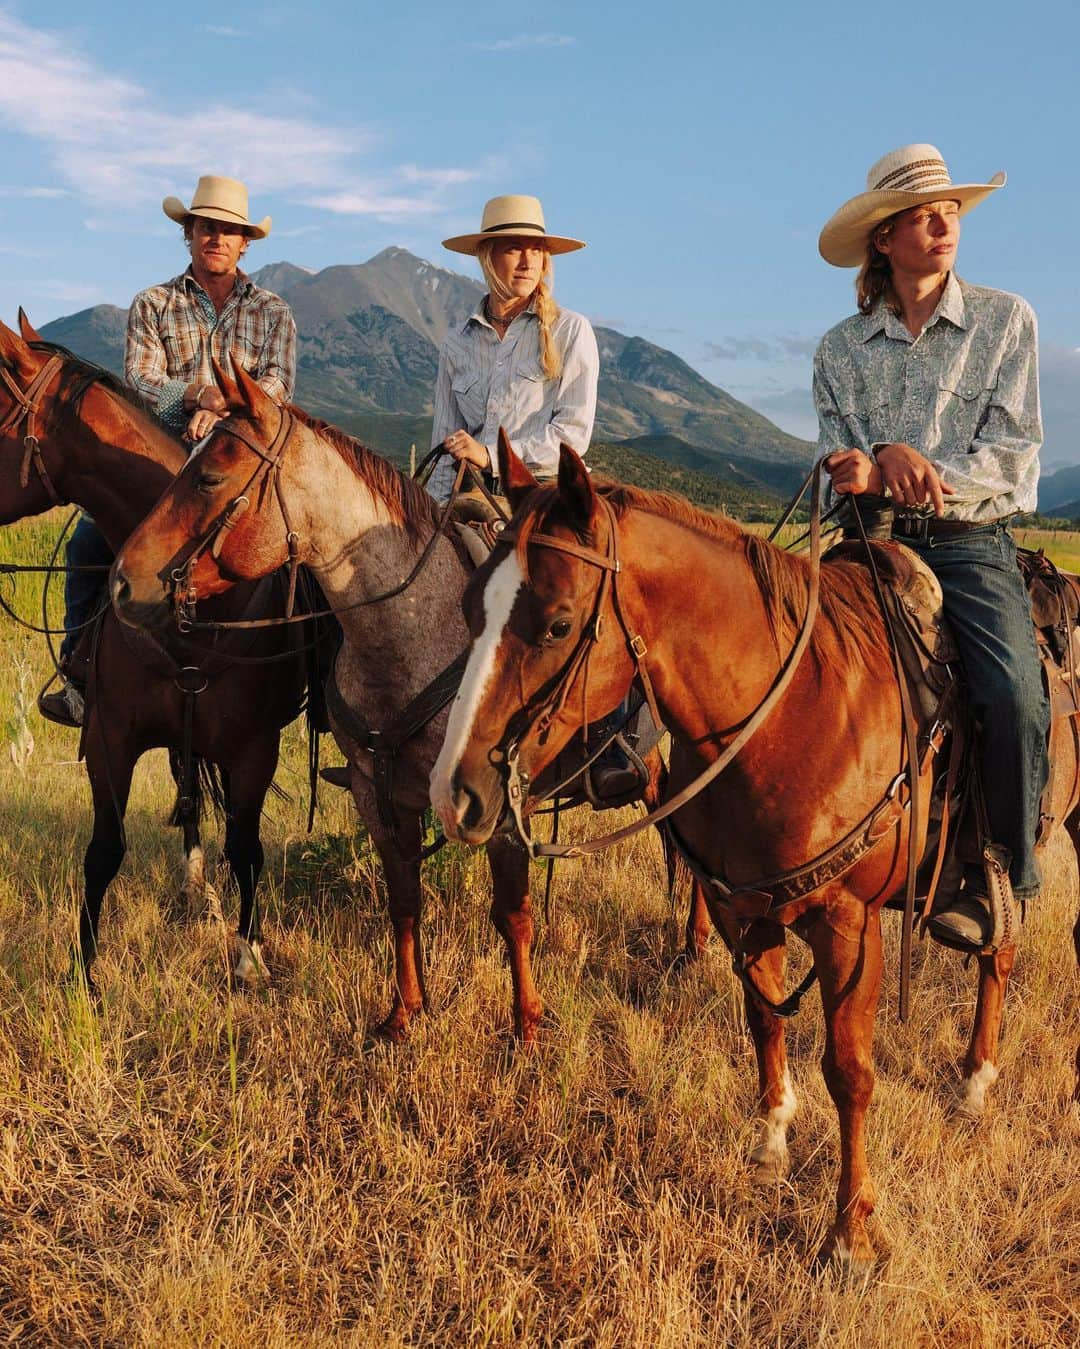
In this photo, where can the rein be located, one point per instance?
(214, 538)
(516, 783)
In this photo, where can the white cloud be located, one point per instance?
(67, 292)
(34, 193)
(117, 145)
(221, 30)
(513, 44)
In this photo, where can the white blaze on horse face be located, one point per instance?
(499, 595)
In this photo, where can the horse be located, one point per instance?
(359, 525)
(592, 589)
(70, 432)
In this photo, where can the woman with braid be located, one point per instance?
(519, 361)
(522, 363)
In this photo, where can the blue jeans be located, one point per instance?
(84, 591)
(989, 613)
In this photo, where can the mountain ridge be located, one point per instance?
(367, 355)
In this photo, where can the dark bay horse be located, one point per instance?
(360, 526)
(100, 449)
(593, 589)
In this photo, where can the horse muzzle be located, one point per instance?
(137, 609)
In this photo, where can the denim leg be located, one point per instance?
(83, 591)
(988, 610)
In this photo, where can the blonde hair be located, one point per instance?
(547, 311)
(874, 281)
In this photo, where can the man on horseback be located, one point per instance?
(928, 401)
(211, 311)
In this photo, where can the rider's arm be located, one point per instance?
(573, 408)
(1002, 460)
(145, 367)
(276, 368)
(447, 417)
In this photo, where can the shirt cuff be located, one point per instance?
(170, 403)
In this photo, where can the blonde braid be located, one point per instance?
(547, 311)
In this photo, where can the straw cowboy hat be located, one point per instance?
(901, 179)
(516, 218)
(218, 199)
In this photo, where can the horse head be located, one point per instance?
(24, 384)
(221, 521)
(549, 653)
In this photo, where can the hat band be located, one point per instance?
(209, 206)
(919, 173)
(516, 225)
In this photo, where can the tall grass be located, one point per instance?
(189, 1166)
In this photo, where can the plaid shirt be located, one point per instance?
(173, 332)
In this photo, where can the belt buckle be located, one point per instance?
(912, 527)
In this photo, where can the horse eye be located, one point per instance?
(208, 481)
(560, 629)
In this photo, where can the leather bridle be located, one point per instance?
(26, 408)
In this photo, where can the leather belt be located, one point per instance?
(930, 527)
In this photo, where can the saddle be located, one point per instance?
(928, 656)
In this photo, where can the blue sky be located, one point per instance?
(698, 147)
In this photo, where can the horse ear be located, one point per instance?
(29, 332)
(226, 383)
(15, 352)
(257, 400)
(514, 478)
(575, 488)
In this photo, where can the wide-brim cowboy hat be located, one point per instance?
(218, 199)
(513, 217)
(899, 180)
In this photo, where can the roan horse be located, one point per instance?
(360, 527)
(71, 432)
(599, 587)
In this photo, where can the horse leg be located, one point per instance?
(764, 944)
(109, 768)
(980, 1063)
(1072, 827)
(698, 924)
(399, 854)
(846, 942)
(195, 890)
(247, 781)
(511, 913)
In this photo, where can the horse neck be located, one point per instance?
(358, 547)
(695, 599)
(117, 461)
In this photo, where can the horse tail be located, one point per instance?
(207, 786)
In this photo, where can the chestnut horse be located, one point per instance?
(360, 526)
(98, 447)
(594, 588)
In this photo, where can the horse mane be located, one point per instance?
(781, 576)
(84, 374)
(407, 503)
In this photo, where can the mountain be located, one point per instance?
(367, 356)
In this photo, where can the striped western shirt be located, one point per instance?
(174, 332)
(964, 393)
(484, 384)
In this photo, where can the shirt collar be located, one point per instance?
(240, 288)
(478, 315)
(950, 307)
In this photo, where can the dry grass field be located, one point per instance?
(190, 1166)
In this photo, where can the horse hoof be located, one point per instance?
(969, 1102)
(250, 971)
(393, 1029)
(852, 1269)
(768, 1166)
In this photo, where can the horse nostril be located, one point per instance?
(470, 808)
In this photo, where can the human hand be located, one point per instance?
(911, 478)
(462, 446)
(202, 423)
(853, 472)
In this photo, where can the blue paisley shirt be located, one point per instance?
(964, 392)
